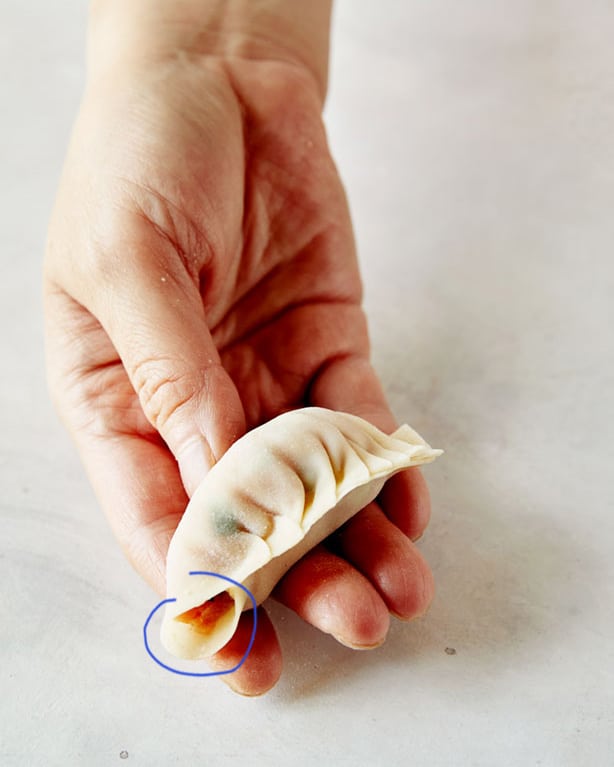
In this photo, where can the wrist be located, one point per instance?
(141, 32)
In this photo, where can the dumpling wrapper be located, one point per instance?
(275, 494)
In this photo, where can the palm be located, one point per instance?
(277, 275)
(280, 286)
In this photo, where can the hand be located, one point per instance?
(200, 279)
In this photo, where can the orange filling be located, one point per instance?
(204, 617)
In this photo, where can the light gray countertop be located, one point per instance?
(475, 141)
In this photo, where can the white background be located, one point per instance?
(476, 142)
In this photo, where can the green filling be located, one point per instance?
(224, 523)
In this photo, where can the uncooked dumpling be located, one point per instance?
(275, 494)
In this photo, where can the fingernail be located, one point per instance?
(195, 462)
(355, 646)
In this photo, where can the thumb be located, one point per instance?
(192, 403)
(154, 316)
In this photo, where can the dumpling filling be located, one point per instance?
(204, 618)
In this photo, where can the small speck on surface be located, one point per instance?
(450, 651)
(123, 754)
(162, 279)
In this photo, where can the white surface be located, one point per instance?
(475, 139)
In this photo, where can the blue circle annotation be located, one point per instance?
(205, 673)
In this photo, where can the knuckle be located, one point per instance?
(162, 390)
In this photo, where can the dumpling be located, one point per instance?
(276, 493)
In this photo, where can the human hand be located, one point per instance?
(200, 279)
